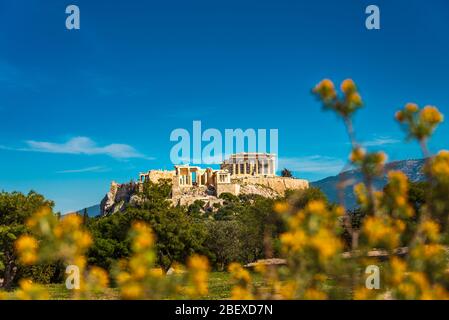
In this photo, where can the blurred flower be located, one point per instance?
(27, 249)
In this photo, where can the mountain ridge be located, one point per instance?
(412, 168)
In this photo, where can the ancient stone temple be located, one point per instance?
(241, 172)
(250, 164)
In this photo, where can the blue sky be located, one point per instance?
(81, 108)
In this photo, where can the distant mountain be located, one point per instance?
(92, 211)
(411, 168)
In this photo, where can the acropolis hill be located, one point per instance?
(242, 173)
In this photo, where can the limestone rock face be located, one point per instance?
(117, 197)
(121, 195)
(277, 185)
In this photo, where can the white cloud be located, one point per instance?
(88, 169)
(313, 164)
(82, 145)
(380, 141)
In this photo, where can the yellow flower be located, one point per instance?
(399, 116)
(326, 244)
(240, 293)
(79, 261)
(71, 222)
(4, 295)
(431, 229)
(325, 89)
(348, 86)
(294, 240)
(439, 167)
(27, 247)
(381, 157)
(363, 294)
(420, 279)
(123, 277)
(260, 268)
(399, 267)
(408, 290)
(399, 179)
(132, 291)
(143, 237)
(288, 289)
(314, 294)
(83, 239)
(316, 207)
(326, 83)
(361, 194)
(357, 155)
(281, 207)
(97, 278)
(158, 272)
(355, 98)
(198, 268)
(411, 107)
(29, 291)
(239, 273)
(431, 115)
(381, 230)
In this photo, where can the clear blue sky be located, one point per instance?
(81, 108)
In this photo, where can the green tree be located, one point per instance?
(15, 209)
(300, 198)
(178, 234)
(224, 242)
(286, 173)
(85, 216)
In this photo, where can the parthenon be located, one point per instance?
(253, 164)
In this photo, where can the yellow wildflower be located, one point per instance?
(314, 294)
(431, 115)
(281, 207)
(357, 155)
(348, 86)
(27, 247)
(240, 293)
(411, 107)
(132, 291)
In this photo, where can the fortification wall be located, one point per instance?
(156, 175)
(233, 188)
(278, 184)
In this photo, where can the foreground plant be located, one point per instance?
(413, 244)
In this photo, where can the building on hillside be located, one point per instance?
(242, 173)
(238, 169)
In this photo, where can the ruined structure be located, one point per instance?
(235, 173)
(242, 173)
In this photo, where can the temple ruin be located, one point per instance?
(237, 170)
(242, 173)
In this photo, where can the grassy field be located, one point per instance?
(219, 289)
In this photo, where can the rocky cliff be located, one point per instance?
(120, 195)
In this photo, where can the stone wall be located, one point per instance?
(233, 188)
(278, 184)
(156, 175)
